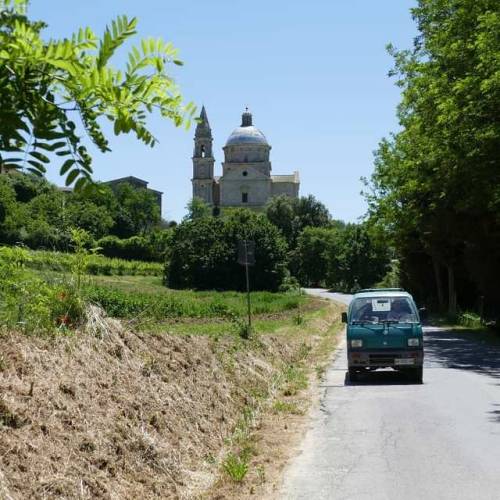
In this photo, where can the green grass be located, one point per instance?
(130, 296)
(290, 407)
(235, 467)
(131, 291)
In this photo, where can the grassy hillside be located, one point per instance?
(114, 386)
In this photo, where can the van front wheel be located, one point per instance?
(418, 374)
(353, 375)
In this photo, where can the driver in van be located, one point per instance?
(400, 310)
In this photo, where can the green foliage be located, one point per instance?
(292, 215)
(345, 257)
(42, 83)
(204, 253)
(294, 380)
(313, 253)
(137, 211)
(435, 191)
(235, 467)
(470, 320)
(197, 209)
(39, 215)
(148, 248)
(30, 304)
(187, 304)
(393, 277)
(95, 265)
(356, 259)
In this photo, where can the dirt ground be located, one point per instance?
(110, 413)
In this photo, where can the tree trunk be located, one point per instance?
(452, 294)
(439, 283)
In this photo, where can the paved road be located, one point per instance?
(385, 438)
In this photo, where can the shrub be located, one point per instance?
(147, 248)
(30, 304)
(203, 253)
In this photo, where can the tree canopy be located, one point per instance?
(436, 185)
(54, 93)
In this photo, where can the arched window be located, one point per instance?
(244, 197)
(203, 152)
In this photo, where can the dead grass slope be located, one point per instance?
(125, 415)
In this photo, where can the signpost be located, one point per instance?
(246, 257)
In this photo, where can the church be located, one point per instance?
(246, 179)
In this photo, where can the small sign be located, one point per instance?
(246, 252)
(381, 305)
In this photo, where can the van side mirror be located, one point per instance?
(344, 317)
(422, 313)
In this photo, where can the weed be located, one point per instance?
(235, 467)
(261, 474)
(295, 380)
(470, 320)
(298, 318)
(287, 407)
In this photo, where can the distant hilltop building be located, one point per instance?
(246, 179)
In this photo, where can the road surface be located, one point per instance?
(386, 438)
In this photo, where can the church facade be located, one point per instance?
(246, 179)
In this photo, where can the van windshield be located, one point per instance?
(381, 309)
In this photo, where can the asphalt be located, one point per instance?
(387, 438)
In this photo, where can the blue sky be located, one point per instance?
(314, 75)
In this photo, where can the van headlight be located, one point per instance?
(356, 343)
(413, 342)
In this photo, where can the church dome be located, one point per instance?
(246, 133)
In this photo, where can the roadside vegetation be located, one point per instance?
(176, 368)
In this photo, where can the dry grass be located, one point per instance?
(109, 413)
(279, 421)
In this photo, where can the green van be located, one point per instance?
(384, 330)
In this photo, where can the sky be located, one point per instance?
(314, 75)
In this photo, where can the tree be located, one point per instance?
(43, 85)
(197, 208)
(436, 185)
(203, 253)
(137, 213)
(292, 215)
(312, 256)
(356, 260)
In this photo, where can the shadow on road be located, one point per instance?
(464, 350)
(495, 414)
(380, 377)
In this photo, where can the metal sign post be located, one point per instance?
(246, 257)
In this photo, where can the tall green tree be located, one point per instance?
(53, 93)
(204, 253)
(137, 213)
(436, 185)
(292, 215)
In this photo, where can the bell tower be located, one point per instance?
(203, 160)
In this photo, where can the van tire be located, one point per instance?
(418, 375)
(353, 375)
